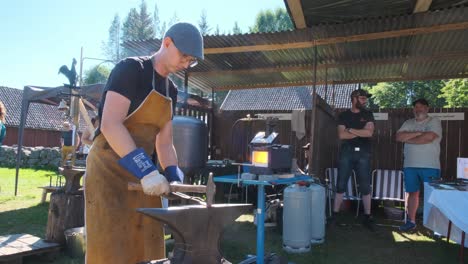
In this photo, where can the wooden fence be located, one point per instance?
(232, 135)
(33, 137)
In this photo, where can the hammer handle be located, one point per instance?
(185, 188)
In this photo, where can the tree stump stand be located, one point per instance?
(66, 209)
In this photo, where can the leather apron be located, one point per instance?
(115, 232)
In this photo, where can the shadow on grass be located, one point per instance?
(351, 243)
(31, 220)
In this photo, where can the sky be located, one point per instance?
(38, 36)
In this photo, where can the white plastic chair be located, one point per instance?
(351, 192)
(388, 185)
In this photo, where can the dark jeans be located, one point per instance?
(360, 162)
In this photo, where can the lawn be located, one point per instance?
(348, 243)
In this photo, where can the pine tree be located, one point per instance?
(130, 26)
(163, 30)
(174, 19)
(156, 21)
(111, 47)
(203, 24)
(146, 29)
(137, 26)
(236, 29)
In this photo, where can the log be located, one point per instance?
(65, 211)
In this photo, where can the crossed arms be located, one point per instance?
(416, 137)
(350, 133)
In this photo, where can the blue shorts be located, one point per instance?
(415, 176)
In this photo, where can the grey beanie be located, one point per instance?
(187, 39)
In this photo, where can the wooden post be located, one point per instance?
(66, 209)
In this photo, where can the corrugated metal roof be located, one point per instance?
(287, 98)
(325, 11)
(436, 55)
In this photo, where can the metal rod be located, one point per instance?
(260, 224)
(313, 116)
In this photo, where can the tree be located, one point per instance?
(157, 21)
(163, 29)
(146, 30)
(236, 29)
(217, 31)
(174, 19)
(138, 25)
(98, 74)
(402, 94)
(455, 93)
(111, 48)
(130, 26)
(272, 21)
(203, 24)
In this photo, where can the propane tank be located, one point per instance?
(296, 219)
(317, 219)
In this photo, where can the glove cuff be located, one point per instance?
(173, 173)
(137, 163)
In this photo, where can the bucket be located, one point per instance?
(76, 242)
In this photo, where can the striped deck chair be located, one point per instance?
(388, 185)
(351, 193)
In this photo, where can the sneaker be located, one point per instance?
(369, 223)
(408, 226)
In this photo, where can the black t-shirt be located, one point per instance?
(356, 121)
(67, 137)
(132, 77)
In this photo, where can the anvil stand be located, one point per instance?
(235, 179)
(66, 209)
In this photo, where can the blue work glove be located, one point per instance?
(140, 165)
(174, 174)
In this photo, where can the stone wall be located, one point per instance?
(31, 157)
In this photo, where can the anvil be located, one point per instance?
(197, 230)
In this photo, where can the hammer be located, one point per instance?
(209, 189)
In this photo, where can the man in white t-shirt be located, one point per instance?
(421, 136)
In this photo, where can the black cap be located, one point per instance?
(360, 92)
(187, 38)
(421, 101)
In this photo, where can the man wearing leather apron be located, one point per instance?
(136, 111)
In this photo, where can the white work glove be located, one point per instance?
(155, 184)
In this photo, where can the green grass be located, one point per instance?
(344, 244)
(350, 243)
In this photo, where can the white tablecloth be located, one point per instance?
(442, 205)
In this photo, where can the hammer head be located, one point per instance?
(210, 190)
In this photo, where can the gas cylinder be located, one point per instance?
(296, 219)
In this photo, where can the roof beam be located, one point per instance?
(297, 13)
(322, 82)
(343, 64)
(422, 6)
(336, 40)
